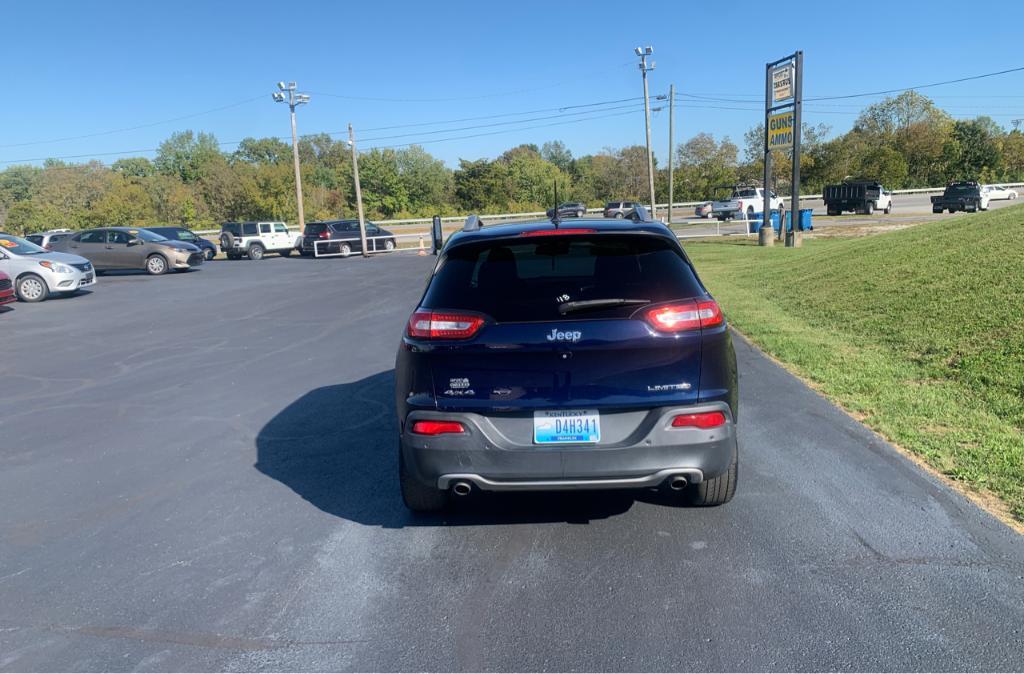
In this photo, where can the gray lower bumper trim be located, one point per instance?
(692, 475)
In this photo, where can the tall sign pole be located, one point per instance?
(794, 238)
(765, 235)
(783, 107)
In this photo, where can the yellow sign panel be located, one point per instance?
(780, 131)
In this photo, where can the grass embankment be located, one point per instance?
(919, 333)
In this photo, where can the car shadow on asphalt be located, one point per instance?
(337, 448)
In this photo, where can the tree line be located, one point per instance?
(905, 142)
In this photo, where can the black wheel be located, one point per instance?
(750, 212)
(227, 240)
(345, 250)
(31, 288)
(869, 208)
(579, 214)
(389, 245)
(718, 490)
(255, 251)
(620, 215)
(285, 253)
(210, 254)
(936, 210)
(888, 209)
(156, 265)
(417, 496)
(233, 256)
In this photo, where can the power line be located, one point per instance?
(506, 114)
(921, 86)
(133, 128)
(469, 98)
(452, 130)
(495, 133)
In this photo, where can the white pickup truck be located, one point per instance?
(744, 202)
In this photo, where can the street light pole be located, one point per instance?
(671, 149)
(294, 100)
(643, 53)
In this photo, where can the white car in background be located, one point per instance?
(998, 192)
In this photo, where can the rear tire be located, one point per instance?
(718, 490)
(417, 496)
(620, 215)
(869, 208)
(579, 214)
(888, 209)
(750, 213)
(256, 252)
(345, 250)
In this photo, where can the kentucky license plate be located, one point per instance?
(562, 427)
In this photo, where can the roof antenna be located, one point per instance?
(555, 220)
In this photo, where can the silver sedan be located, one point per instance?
(37, 273)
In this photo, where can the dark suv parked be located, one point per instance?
(208, 247)
(570, 209)
(588, 356)
(344, 235)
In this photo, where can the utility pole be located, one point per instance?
(671, 123)
(294, 100)
(359, 189)
(643, 53)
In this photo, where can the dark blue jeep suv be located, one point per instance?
(582, 356)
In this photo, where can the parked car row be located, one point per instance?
(34, 273)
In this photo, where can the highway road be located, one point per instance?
(197, 472)
(907, 208)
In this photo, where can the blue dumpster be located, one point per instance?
(755, 223)
(805, 220)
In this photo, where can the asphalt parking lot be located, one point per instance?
(197, 472)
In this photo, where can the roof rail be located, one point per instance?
(473, 223)
(640, 214)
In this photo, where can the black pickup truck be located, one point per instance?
(964, 195)
(863, 196)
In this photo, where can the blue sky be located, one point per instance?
(76, 68)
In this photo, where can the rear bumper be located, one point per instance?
(647, 454)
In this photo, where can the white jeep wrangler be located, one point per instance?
(254, 239)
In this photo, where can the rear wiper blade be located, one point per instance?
(586, 305)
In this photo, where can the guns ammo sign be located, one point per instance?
(780, 131)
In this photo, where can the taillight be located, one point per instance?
(683, 316)
(324, 235)
(426, 324)
(559, 232)
(702, 420)
(437, 427)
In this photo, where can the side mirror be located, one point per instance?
(136, 242)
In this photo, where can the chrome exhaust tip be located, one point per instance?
(678, 483)
(462, 488)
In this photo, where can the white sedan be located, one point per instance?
(997, 192)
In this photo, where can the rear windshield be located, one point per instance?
(745, 193)
(313, 228)
(961, 190)
(526, 280)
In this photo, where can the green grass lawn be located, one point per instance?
(919, 332)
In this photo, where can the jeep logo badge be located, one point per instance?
(557, 335)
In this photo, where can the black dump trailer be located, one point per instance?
(864, 196)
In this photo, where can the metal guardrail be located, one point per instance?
(497, 217)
